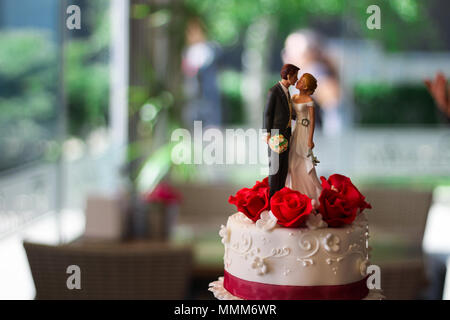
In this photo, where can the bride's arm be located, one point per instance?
(312, 123)
(294, 115)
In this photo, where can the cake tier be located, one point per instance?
(295, 256)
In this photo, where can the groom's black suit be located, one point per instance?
(277, 120)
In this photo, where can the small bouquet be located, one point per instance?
(278, 143)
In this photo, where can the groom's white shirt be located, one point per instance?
(286, 90)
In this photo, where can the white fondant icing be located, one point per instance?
(259, 265)
(225, 234)
(267, 221)
(315, 221)
(331, 242)
(363, 267)
(326, 256)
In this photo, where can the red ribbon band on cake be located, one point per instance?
(250, 290)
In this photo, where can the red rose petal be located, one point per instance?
(251, 202)
(340, 200)
(290, 207)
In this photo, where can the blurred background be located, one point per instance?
(87, 115)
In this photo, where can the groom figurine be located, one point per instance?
(278, 114)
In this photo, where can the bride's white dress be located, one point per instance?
(302, 174)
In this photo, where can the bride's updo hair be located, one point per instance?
(310, 81)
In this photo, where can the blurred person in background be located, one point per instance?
(304, 48)
(440, 91)
(199, 64)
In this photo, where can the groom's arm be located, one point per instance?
(269, 111)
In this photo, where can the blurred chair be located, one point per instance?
(397, 225)
(111, 271)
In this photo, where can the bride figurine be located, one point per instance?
(301, 172)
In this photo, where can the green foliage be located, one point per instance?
(230, 87)
(28, 91)
(381, 104)
(227, 19)
(87, 86)
(154, 169)
(29, 86)
(140, 11)
(87, 72)
(158, 165)
(405, 23)
(24, 51)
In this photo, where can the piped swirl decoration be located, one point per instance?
(313, 256)
(311, 245)
(244, 248)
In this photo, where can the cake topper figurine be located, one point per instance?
(291, 157)
(268, 251)
(278, 114)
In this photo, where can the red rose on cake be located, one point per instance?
(290, 207)
(252, 202)
(260, 185)
(340, 201)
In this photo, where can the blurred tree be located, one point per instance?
(155, 93)
(260, 27)
(87, 70)
(382, 104)
(28, 77)
(405, 23)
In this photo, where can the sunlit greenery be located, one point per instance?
(28, 93)
(87, 72)
(404, 22)
(230, 85)
(382, 104)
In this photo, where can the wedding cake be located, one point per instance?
(287, 250)
(294, 236)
